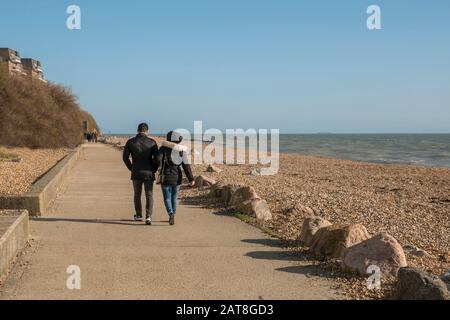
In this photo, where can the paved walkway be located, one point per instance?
(204, 256)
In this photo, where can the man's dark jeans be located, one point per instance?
(148, 187)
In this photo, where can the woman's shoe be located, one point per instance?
(172, 219)
(148, 221)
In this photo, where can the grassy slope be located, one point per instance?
(39, 115)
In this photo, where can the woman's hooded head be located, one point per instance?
(174, 137)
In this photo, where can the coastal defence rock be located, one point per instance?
(310, 227)
(212, 168)
(242, 195)
(333, 240)
(243, 198)
(302, 210)
(228, 191)
(257, 208)
(223, 192)
(203, 181)
(446, 278)
(415, 284)
(111, 140)
(216, 190)
(381, 250)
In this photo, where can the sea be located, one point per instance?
(427, 150)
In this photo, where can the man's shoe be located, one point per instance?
(148, 221)
(137, 218)
(172, 219)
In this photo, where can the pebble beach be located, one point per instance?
(409, 202)
(16, 177)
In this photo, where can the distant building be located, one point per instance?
(10, 61)
(33, 68)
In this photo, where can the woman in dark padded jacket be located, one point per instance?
(173, 156)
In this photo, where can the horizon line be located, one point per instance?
(318, 133)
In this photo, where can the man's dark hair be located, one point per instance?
(143, 127)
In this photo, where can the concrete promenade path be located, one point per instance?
(204, 256)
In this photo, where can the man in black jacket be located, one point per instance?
(144, 153)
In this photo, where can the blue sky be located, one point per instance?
(300, 66)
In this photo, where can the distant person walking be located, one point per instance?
(173, 156)
(94, 136)
(144, 164)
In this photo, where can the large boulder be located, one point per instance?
(257, 208)
(310, 227)
(216, 190)
(414, 284)
(203, 181)
(228, 191)
(332, 241)
(381, 250)
(241, 195)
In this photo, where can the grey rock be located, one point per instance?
(415, 284)
(446, 278)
